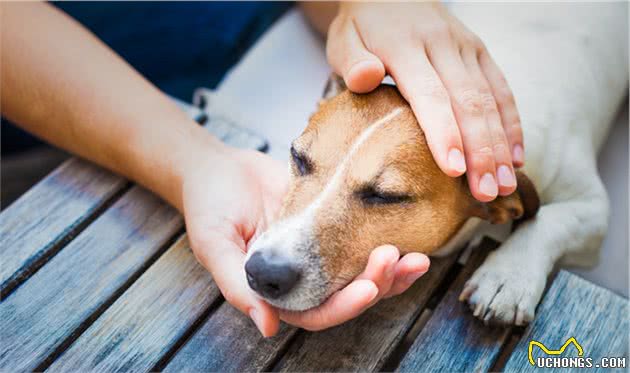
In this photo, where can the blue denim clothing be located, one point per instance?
(176, 45)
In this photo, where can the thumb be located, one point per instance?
(225, 261)
(361, 70)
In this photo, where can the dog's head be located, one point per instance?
(362, 176)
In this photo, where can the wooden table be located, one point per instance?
(97, 274)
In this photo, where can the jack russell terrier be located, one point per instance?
(363, 175)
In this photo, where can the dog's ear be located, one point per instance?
(334, 86)
(522, 204)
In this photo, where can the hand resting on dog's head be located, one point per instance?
(362, 176)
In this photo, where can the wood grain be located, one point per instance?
(453, 340)
(44, 315)
(364, 343)
(44, 219)
(573, 307)
(148, 319)
(35, 226)
(229, 342)
(51, 307)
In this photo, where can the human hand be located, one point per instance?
(230, 198)
(386, 275)
(457, 92)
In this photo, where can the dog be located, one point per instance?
(362, 174)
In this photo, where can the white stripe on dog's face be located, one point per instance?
(293, 238)
(335, 182)
(364, 176)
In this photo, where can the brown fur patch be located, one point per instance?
(394, 159)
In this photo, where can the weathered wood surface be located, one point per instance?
(453, 340)
(148, 319)
(573, 307)
(365, 343)
(43, 220)
(229, 342)
(113, 296)
(43, 316)
(38, 224)
(59, 300)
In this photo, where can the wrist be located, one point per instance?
(200, 153)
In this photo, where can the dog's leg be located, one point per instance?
(510, 283)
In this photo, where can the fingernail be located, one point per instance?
(505, 176)
(255, 316)
(456, 160)
(372, 293)
(361, 65)
(517, 154)
(488, 186)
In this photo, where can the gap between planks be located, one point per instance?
(78, 175)
(47, 310)
(150, 320)
(103, 193)
(100, 310)
(168, 356)
(399, 352)
(368, 342)
(453, 339)
(77, 183)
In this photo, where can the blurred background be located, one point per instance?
(178, 46)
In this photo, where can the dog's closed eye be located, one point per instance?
(302, 164)
(371, 196)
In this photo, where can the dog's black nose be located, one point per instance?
(270, 276)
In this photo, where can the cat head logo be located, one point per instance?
(547, 351)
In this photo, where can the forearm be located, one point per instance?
(62, 84)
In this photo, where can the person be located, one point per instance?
(61, 83)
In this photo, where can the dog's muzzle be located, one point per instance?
(271, 276)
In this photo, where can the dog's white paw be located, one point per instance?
(504, 291)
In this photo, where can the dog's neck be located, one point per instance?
(471, 233)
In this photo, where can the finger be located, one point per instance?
(506, 105)
(361, 70)
(421, 86)
(506, 178)
(225, 260)
(381, 268)
(342, 306)
(408, 269)
(469, 111)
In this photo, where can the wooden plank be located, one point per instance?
(364, 343)
(573, 307)
(229, 342)
(453, 340)
(46, 312)
(152, 316)
(145, 330)
(37, 225)
(148, 319)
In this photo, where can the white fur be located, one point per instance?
(293, 238)
(463, 238)
(306, 217)
(567, 65)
